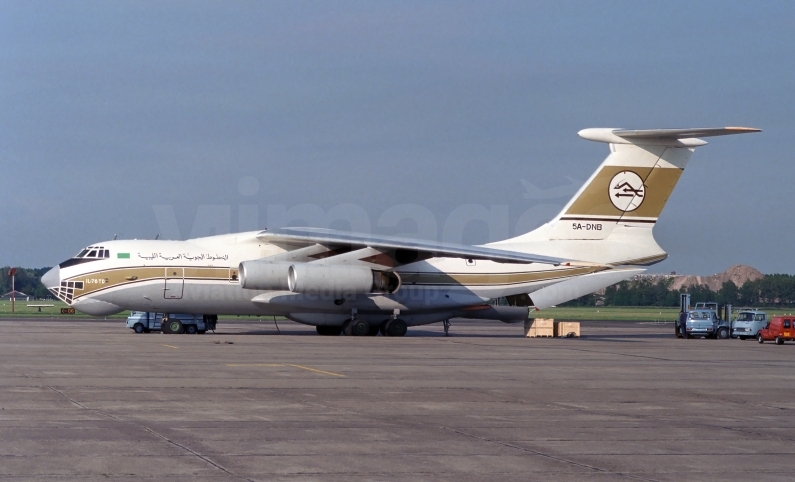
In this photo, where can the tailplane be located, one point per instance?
(610, 219)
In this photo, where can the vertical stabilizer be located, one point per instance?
(610, 219)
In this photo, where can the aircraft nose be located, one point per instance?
(52, 278)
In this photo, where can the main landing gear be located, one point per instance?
(396, 327)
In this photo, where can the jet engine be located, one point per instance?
(340, 280)
(263, 275)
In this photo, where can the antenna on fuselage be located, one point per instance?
(115, 236)
(156, 237)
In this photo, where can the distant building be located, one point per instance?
(18, 295)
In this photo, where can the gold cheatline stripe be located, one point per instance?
(119, 276)
(491, 278)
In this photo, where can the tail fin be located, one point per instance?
(610, 218)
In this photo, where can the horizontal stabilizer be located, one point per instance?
(683, 133)
(674, 137)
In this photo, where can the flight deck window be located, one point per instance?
(82, 253)
(107, 253)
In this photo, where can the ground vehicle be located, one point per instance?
(145, 322)
(707, 324)
(780, 329)
(748, 323)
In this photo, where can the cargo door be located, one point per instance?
(175, 279)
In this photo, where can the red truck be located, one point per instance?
(780, 329)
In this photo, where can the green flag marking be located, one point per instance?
(123, 255)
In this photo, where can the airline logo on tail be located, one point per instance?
(627, 191)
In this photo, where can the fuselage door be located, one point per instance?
(175, 278)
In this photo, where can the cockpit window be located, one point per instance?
(94, 252)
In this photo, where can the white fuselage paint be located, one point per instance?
(436, 285)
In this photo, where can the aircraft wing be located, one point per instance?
(305, 237)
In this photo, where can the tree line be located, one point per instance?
(774, 290)
(27, 280)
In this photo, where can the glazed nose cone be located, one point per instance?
(52, 278)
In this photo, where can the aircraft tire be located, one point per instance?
(175, 326)
(382, 327)
(360, 328)
(346, 328)
(396, 327)
(374, 329)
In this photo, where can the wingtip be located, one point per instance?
(743, 129)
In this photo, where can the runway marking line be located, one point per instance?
(171, 346)
(316, 370)
(302, 367)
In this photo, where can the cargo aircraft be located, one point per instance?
(363, 284)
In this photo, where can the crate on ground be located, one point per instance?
(567, 329)
(539, 327)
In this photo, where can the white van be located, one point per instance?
(748, 323)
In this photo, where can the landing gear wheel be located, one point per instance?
(328, 330)
(346, 328)
(360, 328)
(779, 340)
(191, 329)
(760, 339)
(374, 329)
(382, 327)
(396, 328)
(138, 328)
(175, 326)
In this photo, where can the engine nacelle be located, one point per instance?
(338, 280)
(263, 275)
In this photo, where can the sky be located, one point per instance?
(441, 120)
